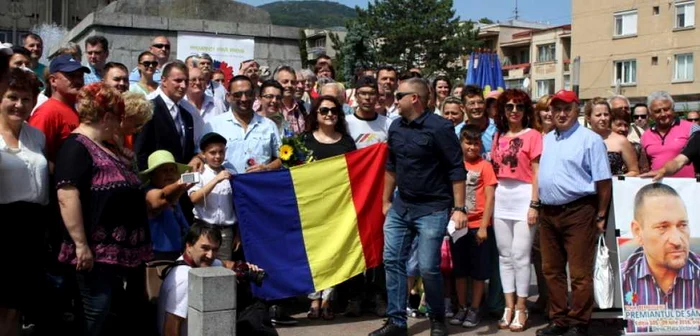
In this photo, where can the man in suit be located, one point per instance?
(171, 127)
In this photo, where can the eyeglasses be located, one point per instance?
(239, 94)
(513, 107)
(150, 64)
(328, 110)
(640, 116)
(400, 95)
(161, 46)
(271, 96)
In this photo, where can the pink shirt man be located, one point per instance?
(661, 149)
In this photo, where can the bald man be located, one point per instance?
(662, 271)
(160, 47)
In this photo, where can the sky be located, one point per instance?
(556, 12)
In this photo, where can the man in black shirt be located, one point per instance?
(425, 162)
(690, 153)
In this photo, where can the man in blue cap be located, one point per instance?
(57, 117)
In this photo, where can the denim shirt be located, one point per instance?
(426, 157)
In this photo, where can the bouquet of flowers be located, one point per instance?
(293, 152)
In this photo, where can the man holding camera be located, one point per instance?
(201, 248)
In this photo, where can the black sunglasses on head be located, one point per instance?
(161, 46)
(400, 95)
(328, 110)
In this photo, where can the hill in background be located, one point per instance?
(309, 14)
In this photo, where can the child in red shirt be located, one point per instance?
(470, 252)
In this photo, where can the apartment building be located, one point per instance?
(318, 41)
(635, 47)
(535, 57)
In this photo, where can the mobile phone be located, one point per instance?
(190, 178)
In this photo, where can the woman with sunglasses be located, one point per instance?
(326, 135)
(147, 68)
(515, 156)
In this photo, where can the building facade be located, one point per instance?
(635, 47)
(319, 42)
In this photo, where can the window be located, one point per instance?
(656, 10)
(545, 87)
(515, 84)
(524, 56)
(546, 52)
(654, 60)
(684, 68)
(625, 72)
(567, 82)
(685, 14)
(626, 23)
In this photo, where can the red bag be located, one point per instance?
(446, 256)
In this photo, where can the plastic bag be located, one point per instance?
(603, 277)
(446, 256)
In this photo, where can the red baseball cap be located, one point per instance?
(565, 96)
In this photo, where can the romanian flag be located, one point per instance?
(313, 226)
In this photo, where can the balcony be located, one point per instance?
(516, 71)
(567, 66)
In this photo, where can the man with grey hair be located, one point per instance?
(337, 90)
(292, 109)
(664, 141)
(622, 103)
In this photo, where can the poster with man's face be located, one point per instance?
(658, 254)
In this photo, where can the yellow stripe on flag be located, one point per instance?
(328, 221)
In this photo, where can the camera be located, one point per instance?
(190, 178)
(244, 273)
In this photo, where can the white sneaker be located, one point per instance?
(459, 317)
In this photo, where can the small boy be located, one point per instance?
(212, 196)
(166, 220)
(470, 253)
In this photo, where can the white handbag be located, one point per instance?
(603, 277)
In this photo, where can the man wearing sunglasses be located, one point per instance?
(160, 47)
(425, 163)
(693, 117)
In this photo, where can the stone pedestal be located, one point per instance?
(212, 302)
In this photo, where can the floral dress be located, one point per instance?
(112, 202)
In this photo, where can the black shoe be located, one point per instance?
(438, 327)
(552, 330)
(577, 331)
(390, 329)
(279, 317)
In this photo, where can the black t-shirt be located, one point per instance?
(323, 150)
(692, 151)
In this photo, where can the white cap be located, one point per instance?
(6, 48)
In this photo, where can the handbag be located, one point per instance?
(446, 256)
(603, 276)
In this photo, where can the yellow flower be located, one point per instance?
(286, 152)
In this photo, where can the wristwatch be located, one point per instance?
(462, 209)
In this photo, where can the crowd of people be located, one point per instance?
(92, 159)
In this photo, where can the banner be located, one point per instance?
(227, 51)
(658, 246)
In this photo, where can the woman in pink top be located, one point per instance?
(515, 156)
(666, 139)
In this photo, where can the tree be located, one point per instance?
(303, 53)
(418, 33)
(356, 49)
(485, 20)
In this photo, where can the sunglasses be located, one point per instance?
(692, 119)
(640, 116)
(271, 96)
(239, 94)
(400, 95)
(513, 107)
(328, 110)
(150, 64)
(161, 46)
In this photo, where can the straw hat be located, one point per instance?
(159, 158)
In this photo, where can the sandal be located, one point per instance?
(314, 313)
(516, 325)
(504, 322)
(327, 313)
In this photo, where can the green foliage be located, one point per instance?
(485, 20)
(303, 53)
(418, 33)
(357, 49)
(309, 14)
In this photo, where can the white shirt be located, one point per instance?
(218, 92)
(172, 297)
(217, 207)
(393, 112)
(197, 120)
(24, 171)
(210, 107)
(367, 132)
(40, 99)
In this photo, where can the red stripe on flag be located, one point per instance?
(366, 172)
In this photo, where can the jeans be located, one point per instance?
(399, 232)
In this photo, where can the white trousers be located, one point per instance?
(514, 241)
